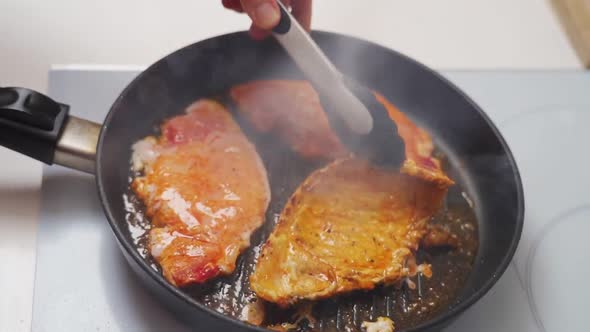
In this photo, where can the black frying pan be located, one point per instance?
(479, 158)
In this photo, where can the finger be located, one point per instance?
(258, 34)
(301, 9)
(264, 13)
(233, 5)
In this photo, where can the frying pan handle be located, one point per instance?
(41, 128)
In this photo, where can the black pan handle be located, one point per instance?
(30, 122)
(41, 128)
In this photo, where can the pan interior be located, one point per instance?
(231, 295)
(477, 159)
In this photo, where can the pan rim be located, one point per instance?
(446, 317)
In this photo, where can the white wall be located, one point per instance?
(444, 34)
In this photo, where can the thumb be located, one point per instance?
(265, 14)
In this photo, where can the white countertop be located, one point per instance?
(452, 34)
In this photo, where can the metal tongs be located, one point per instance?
(361, 122)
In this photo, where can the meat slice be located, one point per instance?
(292, 109)
(419, 147)
(349, 226)
(440, 236)
(205, 190)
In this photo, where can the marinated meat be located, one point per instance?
(419, 147)
(292, 109)
(349, 226)
(205, 190)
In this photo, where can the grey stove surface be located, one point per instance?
(83, 283)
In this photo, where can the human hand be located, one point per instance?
(265, 14)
